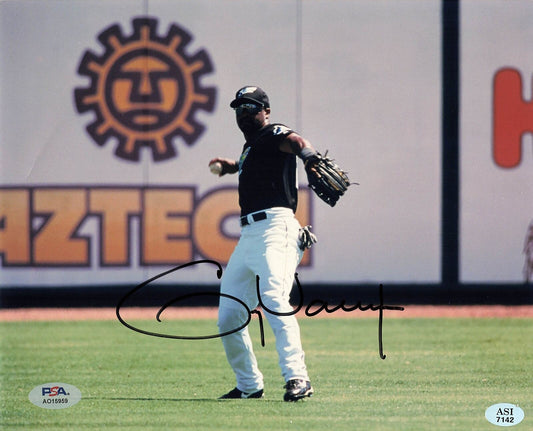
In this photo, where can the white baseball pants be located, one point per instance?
(267, 248)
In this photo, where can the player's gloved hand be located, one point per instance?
(306, 237)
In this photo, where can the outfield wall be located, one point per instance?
(111, 110)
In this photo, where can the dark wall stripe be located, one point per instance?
(450, 144)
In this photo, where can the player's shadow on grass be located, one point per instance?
(148, 399)
(170, 399)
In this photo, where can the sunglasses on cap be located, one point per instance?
(248, 108)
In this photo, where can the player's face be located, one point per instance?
(251, 117)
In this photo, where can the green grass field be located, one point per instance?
(439, 374)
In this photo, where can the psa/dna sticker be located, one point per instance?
(55, 395)
(504, 415)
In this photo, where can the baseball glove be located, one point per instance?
(326, 178)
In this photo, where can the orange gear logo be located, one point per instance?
(145, 90)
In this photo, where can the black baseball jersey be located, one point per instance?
(267, 175)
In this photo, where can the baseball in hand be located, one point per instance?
(216, 168)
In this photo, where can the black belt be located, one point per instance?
(258, 216)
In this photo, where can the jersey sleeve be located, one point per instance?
(275, 135)
(281, 130)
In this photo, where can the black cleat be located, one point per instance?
(297, 389)
(238, 394)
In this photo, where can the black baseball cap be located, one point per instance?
(250, 94)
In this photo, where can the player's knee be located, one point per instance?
(230, 319)
(223, 321)
(276, 302)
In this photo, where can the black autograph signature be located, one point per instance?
(309, 311)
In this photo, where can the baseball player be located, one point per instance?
(270, 246)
